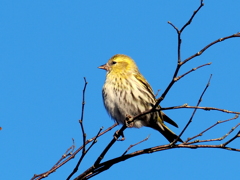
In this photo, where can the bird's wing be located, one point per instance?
(145, 84)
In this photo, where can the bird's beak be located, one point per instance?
(105, 67)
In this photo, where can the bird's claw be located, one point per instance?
(117, 135)
(128, 121)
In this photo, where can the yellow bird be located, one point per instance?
(127, 92)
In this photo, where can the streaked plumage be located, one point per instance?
(126, 92)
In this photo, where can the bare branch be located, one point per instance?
(157, 92)
(216, 139)
(107, 164)
(66, 154)
(115, 138)
(218, 122)
(71, 156)
(83, 131)
(83, 155)
(209, 45)
(131, 146)
(203, 108)
(179, 64)
(82, 114)
(53, 169)
(190, 120)
(236, 136)
(194, 69)
(194, 13)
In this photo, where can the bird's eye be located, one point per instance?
(114, 62)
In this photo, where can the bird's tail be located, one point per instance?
(166, 132)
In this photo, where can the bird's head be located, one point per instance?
(119, 64)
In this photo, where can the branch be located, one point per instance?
(83, 132)
(203, 108)
(179, 64)
(107, 164)
(236, 136)
(182, 29)
(115, 138)
(82, 114)
(63, 161)
(209, 45)
(83, 155)
(216, 139)
(190, 120)
(218, 122)
(194, 69)
(131, 146)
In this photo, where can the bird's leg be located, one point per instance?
(116, 135)
(129, 121)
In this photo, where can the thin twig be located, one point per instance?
(131, 146)
(209, 45)
(216, 139)
(82, 115)
(83, 131)
(66, 154)
(45, 174)
(218, 122)
(157, 92)
(203, 108)
(179, 64)
(83, 155)
(194, 69)
(194, 13)
(236, 136)
(89, 173)
(190, 120)
(95, 141)
(115, 138)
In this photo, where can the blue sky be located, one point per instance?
(47, 47)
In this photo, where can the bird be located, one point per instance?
(127, 93)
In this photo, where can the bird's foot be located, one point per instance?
(117, 136)
(129, 121)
